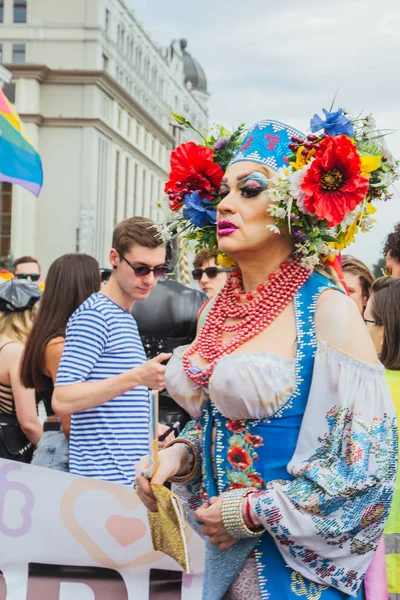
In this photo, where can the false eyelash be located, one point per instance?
(251, 192)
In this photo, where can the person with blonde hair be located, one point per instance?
(20, 428)
(359, 280)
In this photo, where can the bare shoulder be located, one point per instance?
(339, 323)
(13, 349)
(54, 348)
(55, 343)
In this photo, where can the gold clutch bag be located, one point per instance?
(167, 526)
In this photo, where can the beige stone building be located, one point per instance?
(95, 92)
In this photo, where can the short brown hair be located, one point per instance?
(353, 265)
(386, 312)
(26, 259)
(136, 230)
(203, 255)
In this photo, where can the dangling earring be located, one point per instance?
(114, 266)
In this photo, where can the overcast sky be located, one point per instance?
(285, 60)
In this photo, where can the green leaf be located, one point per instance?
(328, 238)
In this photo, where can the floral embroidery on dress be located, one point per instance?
(242, 455)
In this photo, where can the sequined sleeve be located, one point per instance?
(328, 521)
(190, 491)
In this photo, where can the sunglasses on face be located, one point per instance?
(211, 272)
(28, 276)
(369, 321)
(143, 270)
(105, 275)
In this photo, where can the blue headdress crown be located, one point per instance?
(267, 143)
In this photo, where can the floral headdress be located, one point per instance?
(324, 184)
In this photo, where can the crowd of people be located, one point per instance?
(277, 428)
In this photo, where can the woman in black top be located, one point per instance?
(71, 279)
(20, 428)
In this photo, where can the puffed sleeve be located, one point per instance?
(328, 521)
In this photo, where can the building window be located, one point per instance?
(107, 21)
(1, 53)
(137, 134)
(144, 194)
(1, 10)
(116, 196)
(19, 11)
(106, 62)
(128, 127)
(136, 188)
(126, 208)
(5, 223)
(18, 53)
(119, 119)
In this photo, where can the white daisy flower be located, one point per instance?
(273, 228)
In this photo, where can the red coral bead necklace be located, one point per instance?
(255, 311)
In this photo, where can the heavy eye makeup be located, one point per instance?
(251, 184)
(254, 184)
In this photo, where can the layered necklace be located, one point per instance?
(254, 312)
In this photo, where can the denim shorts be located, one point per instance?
(52, 451)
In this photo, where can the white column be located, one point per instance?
(87, 187)
(23, 212)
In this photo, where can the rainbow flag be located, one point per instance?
(19, 161)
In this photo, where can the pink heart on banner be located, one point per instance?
(125, 530)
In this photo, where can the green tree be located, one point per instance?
(377, 268)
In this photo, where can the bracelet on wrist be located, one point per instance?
(232, 514)
(193, 460)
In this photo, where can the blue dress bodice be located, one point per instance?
(250, 453)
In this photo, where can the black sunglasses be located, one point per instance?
(143, 270)
(105, 275)
(211, 272)
(29, 276)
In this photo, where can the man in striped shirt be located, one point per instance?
(103, 378)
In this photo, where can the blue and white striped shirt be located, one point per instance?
(102, 340)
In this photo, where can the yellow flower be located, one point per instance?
(225, 261)
(371, 209)
(370, 164)
(301, 160)
(348, 237)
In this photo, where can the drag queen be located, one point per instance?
(289, 463)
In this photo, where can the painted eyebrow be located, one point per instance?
(248, 173)
(241, 176)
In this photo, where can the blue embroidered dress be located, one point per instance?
(317, 437)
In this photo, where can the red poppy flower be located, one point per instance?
(192, 169)
(257, 481)
(254, 440)
(235, 426)
(239, 458)
(333, 185)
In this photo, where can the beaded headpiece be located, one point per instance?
(322, 191)
(267, 143)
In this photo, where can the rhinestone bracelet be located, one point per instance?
(232, 515)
